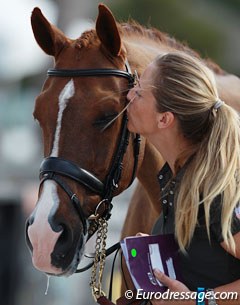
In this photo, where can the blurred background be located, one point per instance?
(210, 27)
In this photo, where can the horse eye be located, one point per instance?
(103, 121)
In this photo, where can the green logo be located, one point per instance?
(134, 252)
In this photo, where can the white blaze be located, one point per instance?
(40, 233)
(65, 95)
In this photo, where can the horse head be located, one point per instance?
(87, 161)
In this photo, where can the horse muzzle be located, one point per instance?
(56, 248)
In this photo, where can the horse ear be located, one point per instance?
(107, 30)
(50, 39)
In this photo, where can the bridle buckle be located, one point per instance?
(96, 214)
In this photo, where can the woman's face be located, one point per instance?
(142, 113)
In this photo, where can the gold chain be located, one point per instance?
(100, 254)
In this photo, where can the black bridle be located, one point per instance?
(53, 168)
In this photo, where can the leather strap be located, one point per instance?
(90, 72)
(109, 251)
(73, 198)
(70, 169)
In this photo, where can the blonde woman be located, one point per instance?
(176, 107)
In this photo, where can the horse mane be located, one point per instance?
(134, 28)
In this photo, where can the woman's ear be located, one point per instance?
(165, 119)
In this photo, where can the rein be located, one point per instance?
(53, 168)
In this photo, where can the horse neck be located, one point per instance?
(228, 88)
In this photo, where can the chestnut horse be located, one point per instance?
(72, 110)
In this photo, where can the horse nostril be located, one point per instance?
(55, 225)
(29, 222)
(63, 238)
(62, 247)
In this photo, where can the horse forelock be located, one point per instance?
(86, 39)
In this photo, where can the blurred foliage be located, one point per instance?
(232, 4)
(191, 21)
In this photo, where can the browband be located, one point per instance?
(90, 72)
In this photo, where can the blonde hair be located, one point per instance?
(186, 87)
